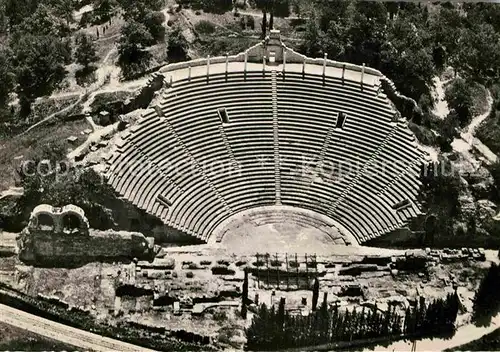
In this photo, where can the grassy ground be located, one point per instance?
(45, 107)
(230, 35)
(15, 339)
(13, 147)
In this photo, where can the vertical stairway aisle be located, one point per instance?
(333, 207)
(276, 138)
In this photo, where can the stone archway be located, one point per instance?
(45, 222)
(71, 223)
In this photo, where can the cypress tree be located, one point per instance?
(264, 24)
(315, 294)
(281, 312)
(487, 300)
(244, 296)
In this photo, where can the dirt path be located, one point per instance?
(102, 73)
(12, 191)
(476, 121)
(108, 80)
(77, 15)
(51, 116)
(441, 109)
(260, 15)
(467, 141)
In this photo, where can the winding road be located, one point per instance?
(72, 336)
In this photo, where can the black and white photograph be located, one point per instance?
(249, 175)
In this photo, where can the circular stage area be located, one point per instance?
(280, 229)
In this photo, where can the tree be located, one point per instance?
(280, 8)
(64, 9)
(244, 296)
(103, 10)
(44, 21)
(39, 62)
(217, 6)
(459, 97)
(448, 130)
(441, 187)
(136, 10)
(312, 45)
(7, 75)
(281, 312)
(486, 300)
(4, 19)
(85, 50)
(430, 229)
(264, 25)
(19, 10)
(444, 30)
(134, 59)
(478, 52)
(154, 23)
(177, 46)
(315, 294)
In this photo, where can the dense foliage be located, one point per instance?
(409, 42)
(214, 6)
(85, 50)
(47, 178)
(134, 59)
(440, 192)
(271, 330)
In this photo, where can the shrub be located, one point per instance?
(259, 263)
(154, 23)
(312, 264)
(221, 46)
(250, 22)
(220, 316)
(448, 131)
(189, 275)
(205, 27)
(275, 262)
(423, 134)
(223, 262)
(240, 4)
(459, 96)
(222, 270)
(205, 262)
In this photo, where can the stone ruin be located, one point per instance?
(62, 236)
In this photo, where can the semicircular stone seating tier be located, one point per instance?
(283, 143)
